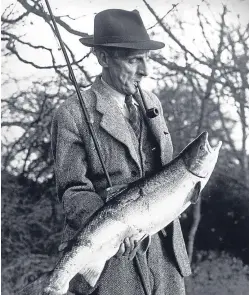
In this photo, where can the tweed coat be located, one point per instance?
(79, 175)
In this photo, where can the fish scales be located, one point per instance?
(143, 208)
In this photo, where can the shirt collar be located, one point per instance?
(119, 97)
(114, 94)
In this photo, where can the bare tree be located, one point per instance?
(31, 110)
(228, 78)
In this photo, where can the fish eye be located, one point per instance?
(202, 148)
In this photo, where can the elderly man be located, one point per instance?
(132, 146)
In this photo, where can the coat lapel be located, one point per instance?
(158, 127)
(113, 120)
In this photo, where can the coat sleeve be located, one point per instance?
(75, 190)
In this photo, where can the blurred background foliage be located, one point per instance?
(205, 88)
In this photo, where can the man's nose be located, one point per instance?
(143, 68)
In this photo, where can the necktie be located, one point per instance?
(134, 115)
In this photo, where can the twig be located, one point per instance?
(161, 19)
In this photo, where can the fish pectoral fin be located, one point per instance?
(194, 194)
(92, 271)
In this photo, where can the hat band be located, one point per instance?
(118, 39)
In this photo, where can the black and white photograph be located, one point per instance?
(125, 147)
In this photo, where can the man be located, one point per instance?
(132, 147)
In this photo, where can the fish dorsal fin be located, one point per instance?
(92, 272)
(194, 194)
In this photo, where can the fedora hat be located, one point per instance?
(120, 28)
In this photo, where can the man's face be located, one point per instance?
(125, 72)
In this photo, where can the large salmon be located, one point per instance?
(143, 208)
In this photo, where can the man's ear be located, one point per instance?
(103, 58)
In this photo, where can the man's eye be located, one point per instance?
(133, 60)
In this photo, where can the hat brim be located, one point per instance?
(142, 45)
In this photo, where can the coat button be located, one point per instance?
(133, 173)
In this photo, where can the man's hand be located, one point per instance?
(128, 248)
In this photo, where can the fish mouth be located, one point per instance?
(209, 147)
(217, 146)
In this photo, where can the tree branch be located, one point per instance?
(38, 10)
(172, 36)
(15, 20)
(162, 18)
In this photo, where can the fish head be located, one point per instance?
(199, 157)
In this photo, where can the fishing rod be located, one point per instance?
(82, 103)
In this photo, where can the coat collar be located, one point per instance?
(113, 121)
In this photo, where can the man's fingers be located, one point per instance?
(134, 250)
(128, 248)
(121, 250)
(135, 245)
(129, 245)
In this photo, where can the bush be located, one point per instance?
(32, 222)
(218, 274)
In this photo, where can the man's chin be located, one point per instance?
(131, 91)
